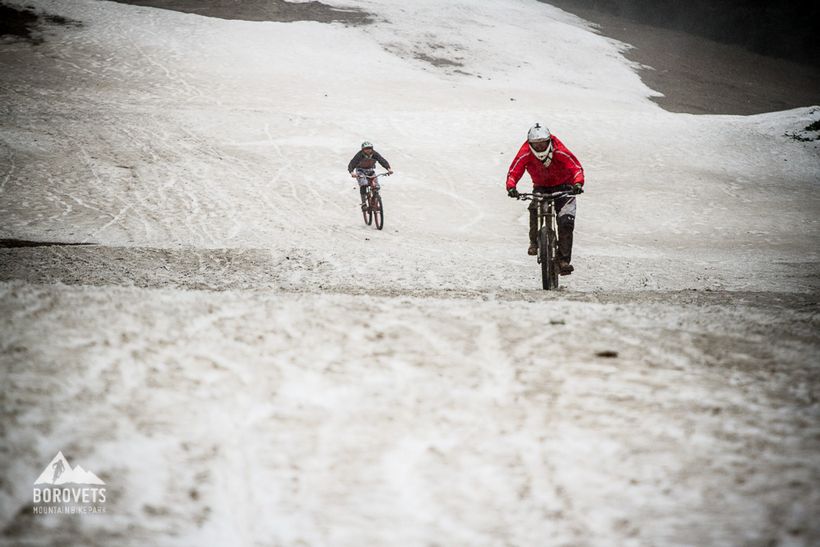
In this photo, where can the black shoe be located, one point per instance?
(533, 249)
(564, 267)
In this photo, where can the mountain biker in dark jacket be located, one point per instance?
(553, 168)
(362, 164)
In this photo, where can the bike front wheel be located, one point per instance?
(367, 211)
(547, 258)
(378, 211)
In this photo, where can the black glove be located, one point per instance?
(513, 193)
(577, 188)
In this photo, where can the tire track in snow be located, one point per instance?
(9, 173)
(115, 218)
(190, 91)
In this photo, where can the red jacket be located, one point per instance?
(564, 168)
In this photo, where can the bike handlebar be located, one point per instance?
(374, 175)
(526, 196)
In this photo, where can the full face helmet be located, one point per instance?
(540, 140)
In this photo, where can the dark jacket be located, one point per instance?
(361, 161)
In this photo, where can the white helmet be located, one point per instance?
(538, 133)
(541, 137)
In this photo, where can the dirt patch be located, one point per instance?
(701, 76)
(20, 23)
(261, 10)
(28, 25)
(809, 133)
(16, 243)
(437, 61)
(300, 271)
(197, 269)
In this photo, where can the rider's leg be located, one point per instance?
(533, 248)
(362, 180)
(566, 226)
(361, 176)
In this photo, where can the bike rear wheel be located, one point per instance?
(378, 211)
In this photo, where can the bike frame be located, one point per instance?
(373, 200)
(372, 184)
(547, 235)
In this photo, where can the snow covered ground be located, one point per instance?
(244, 362)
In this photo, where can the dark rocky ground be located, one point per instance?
(26, 24)
(700, 76)
(261, 10)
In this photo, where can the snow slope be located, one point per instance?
(242, 361)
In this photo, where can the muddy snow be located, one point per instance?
(243, 362)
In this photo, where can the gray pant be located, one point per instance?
(361, 178)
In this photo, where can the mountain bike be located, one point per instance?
(547, 236)
(373, 208)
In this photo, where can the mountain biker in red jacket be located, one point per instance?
(362, 164)
(553, 168)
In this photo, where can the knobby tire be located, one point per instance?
(549, 265)
(367, 212)
(378, 211)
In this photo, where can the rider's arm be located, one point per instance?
(578, 171)
(383, 162)
(355, 161)
(572, 163)
(517, 167)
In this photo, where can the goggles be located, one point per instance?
(540, 146)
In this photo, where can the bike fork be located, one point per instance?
(547, 223)
(540, 233)
(553, 230)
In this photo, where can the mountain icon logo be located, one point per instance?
(59, 471)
